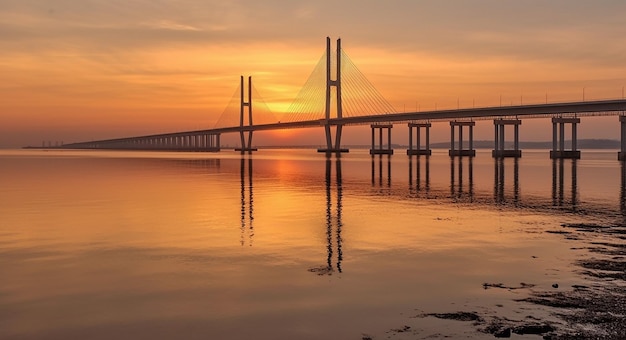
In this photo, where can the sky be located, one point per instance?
(78, 70)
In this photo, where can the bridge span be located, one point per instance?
(561, 114)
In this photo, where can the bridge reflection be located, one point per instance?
(459, 189)
(334, 218)
(622, 193)
(419, 187)
(499, 181)
(381, 171)
(506, 189)
(558, 183)
(334, 221)
(247, 201)
(425, 177)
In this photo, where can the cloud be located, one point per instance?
(169, 25)
(67, 52)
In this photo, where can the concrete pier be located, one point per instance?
(418, 148)
(246, 143)
(198, 142)
(330, 148)
(460, 151)
(380, 151)
(558, 142)
(499, 149)
(210, 142)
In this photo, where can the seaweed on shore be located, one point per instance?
(459, 316)
(605, 309)
(600, 312)
(522, 285)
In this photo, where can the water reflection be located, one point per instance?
(333, 221)
(247, 196)
(380, 170)
(457, 185)
(499, 180)
(558, 183)
(418, 180)
(200, 163)
(622, 195)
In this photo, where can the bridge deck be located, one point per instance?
(604, 107)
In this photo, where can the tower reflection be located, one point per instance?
(558, 183)
(247, 201)
(333, 221)
(499, 181)
(457, 189)
(380, 170)
(418, 180)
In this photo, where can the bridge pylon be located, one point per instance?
(328, 124)
(246, 143)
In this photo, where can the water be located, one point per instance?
(284, 244)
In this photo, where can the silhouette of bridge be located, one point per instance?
(337, 94)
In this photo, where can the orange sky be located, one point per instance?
(76, 70)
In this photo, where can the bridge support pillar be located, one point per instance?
(246, 142)
(213, 142)
(418, 150)
(330, 148)
(462, 152)
(621, 155)
(380, 151)
(560, 152)
(499, 150)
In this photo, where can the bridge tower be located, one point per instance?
(330, 147)
(246, 143)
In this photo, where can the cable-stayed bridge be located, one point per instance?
(337, 94)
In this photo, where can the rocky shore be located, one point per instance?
(593, 311)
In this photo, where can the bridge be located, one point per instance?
(344, 89)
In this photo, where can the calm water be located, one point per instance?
(283, 244)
